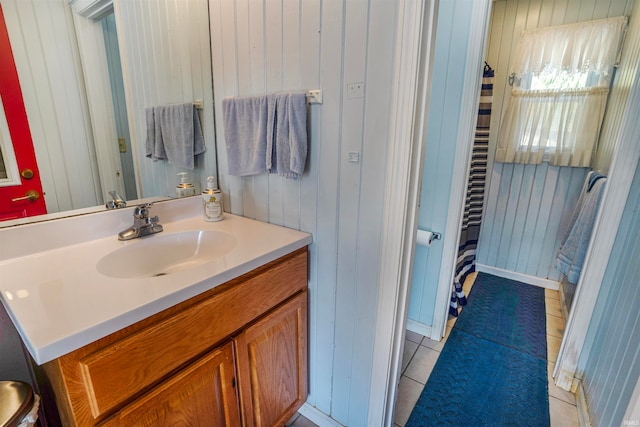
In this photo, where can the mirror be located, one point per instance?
(88, 70)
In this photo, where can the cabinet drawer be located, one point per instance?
(113, 374)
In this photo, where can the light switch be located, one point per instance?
(353, 156)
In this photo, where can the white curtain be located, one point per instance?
(561, 77)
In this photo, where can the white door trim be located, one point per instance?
(625, 159)
(464, 146)
(414, 44)
(100, 105)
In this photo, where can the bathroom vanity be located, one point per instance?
(222, 342)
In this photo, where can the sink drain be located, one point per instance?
(159, 274)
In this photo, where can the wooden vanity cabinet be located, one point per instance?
(233, 356)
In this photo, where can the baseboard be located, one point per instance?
(582, 406)
(318, 417)
(520, 277)
(419, 328)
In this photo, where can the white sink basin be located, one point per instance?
(163, 254)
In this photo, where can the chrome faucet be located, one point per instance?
(143, 225)
(117, 202)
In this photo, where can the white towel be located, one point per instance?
(174, 134)
(245, 131)
(287, 151)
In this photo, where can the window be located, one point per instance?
(561, 78)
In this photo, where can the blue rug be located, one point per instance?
(506, 312)
(492, 370)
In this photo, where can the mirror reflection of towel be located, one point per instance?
(174, 134)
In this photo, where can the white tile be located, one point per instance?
(555, 326)
(422, 364)
(437, 345)
(409, 350)
(408, 394)
(562, 413)
(557, 392)
(414, 336)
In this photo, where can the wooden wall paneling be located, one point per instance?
(274, 38)
(326, 236)
(530, 221)
(292, 58)
(259, 189)
(611, 368)
(380, 45)
(244, 54)
(354, 70)
(417, 301)
(220, 44)
(512, 201)
(520, 215)
(548, 193)
(310, 78)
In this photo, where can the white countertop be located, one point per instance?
(59, 302)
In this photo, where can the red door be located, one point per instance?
(21, 195)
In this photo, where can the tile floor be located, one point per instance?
(421, 354)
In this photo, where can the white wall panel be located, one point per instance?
(45, 51)
(612, 365)
(629, 62)
(528, 207)
(262, 47)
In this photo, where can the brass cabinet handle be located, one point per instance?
(32, 196)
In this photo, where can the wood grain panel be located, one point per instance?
(271, 396)
(203, 394)
(99, 377)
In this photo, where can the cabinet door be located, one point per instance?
(272, 365)
(204, 394)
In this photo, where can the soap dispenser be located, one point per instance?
(212, 202)
(185, 189)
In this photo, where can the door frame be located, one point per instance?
(410, 106)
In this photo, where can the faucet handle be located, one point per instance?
(142, 211)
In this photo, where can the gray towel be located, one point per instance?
(245, 131)
(176, 134)
(576, 240)
(287, 151)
